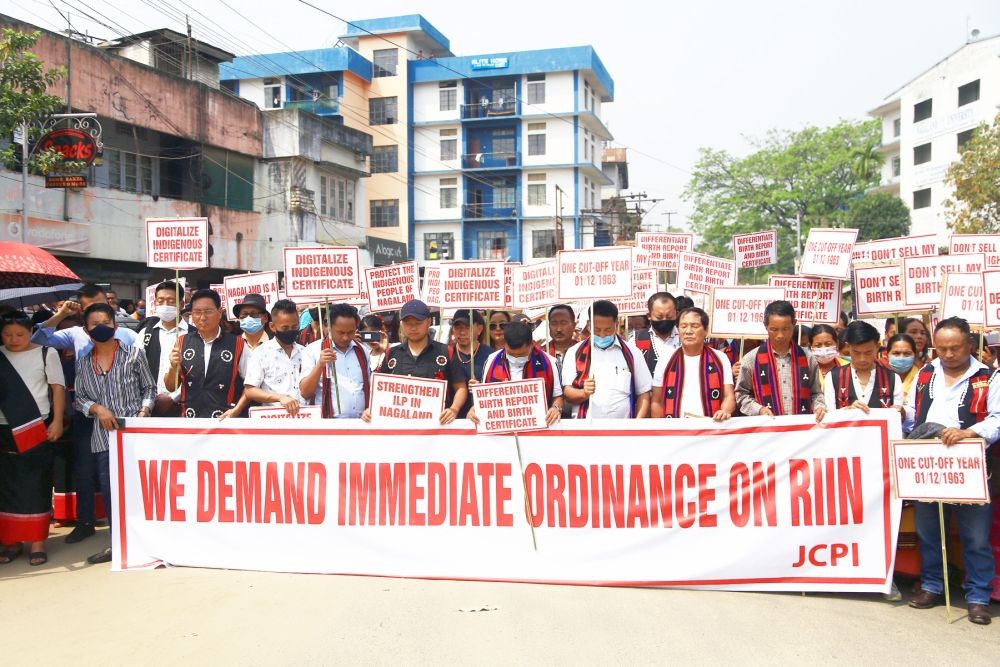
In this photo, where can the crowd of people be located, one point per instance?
(72, 373)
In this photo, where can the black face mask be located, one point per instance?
(663, 327)
(287, 337)
(102, 333)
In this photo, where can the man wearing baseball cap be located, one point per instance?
(419, 356)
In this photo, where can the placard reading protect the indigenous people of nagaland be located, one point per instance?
(756, 249)
(510, 407)
(988, 244)
(390, 286)
(755, 503)
(595, 273)
(473, 284)
(929, 470)
(895, 249)
(816, 300)
(663, 249)
(828, 253)
(991, 293)
(700, 273)
(430, 292)
(738, 312)
(962, 296)
(878, 290)
(924, 276)
(535, 285)
(305, 412)
(401, 399)
(330, 272)
(177, 243)
(643, 287)
(238, 286)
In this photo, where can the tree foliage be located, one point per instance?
(814, 173)
(878, 215)
(974, 206)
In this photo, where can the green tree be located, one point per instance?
(974, 206)
(878, 215)
(812, 174)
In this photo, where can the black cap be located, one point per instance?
(463, 317)
(250, 300)
(415, 308)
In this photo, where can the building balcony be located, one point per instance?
(321, 107)
(489, 109)
(490, 160)
(488, 212)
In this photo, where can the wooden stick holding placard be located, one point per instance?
(944, 561)
(329, 329)
(593, 345)
(472, 345)
(527, 499)
(180, 307)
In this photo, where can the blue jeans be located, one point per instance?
(83, 469)
(974, 531)
(103, 462)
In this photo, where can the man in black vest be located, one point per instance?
(660, 340)
(211, 363)
(157, 334)
(954, 399)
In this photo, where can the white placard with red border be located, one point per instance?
(878, 290)
(328, 272)
(643, 287)
(895, 249)
(535, 285)
(700, 273)
(816, 300)
(430, 293)
(508, 284)
(991, 292)
(401, 399)
(738, 312)
(221, 291)
(510, 407)
(267, 412)
(962, 296)
(924, 276)
(473, 284)
(595, 273)
(973, 244)
(930, 471)
(237, 286)
(177, 243)
(755, 249)
(663, 249)
(390, 286)
(828, 253)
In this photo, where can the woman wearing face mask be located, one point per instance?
(901, 359)
(914, 328)
(823, 346)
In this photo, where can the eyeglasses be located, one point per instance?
(204, 313)
(497, 325)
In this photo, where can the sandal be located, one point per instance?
(10, 554)
(36, 558)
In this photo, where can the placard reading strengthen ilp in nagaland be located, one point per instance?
(597, 273)
(828, 253)
(329, 272)
(700, 273)
(473, 284)
(757, 249)
(399, 399)
(389, 287)
(738, 312)
(177, 243)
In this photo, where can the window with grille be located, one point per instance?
(543, 243)
(382, 111)
(384, 62)
(385, 212)
(385, 159)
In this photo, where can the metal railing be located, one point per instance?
(490, 160)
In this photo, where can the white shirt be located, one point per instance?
(662, 349)
(517, 370)
(863, 392)
(36, 377)
(168, 339)
(612, 378)
(691, 391)
(272, 369)
(350, 379)
(945, 402)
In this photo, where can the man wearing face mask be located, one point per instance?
(522, 359)
(661, 339)
(157, 335)
(273, 369)
(252, 315)
(605, 377)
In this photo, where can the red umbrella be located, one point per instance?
(23, 265)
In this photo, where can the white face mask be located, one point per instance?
(517, 361)
(824, 354)
(167, 313)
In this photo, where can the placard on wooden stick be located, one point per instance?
(662, 249)
(878, 290)
(930, 471)
(988, 244)
(991, 293)
(738, 312)
(177, 243)
(923, 276)
(510, 407)
(699, 273)
(473, 284)
(755, 249)
(328, 272)
(828, 252)
(962, 296)
(535, 285)
(895, 249)
(398, 399)
(816, 300)
(237, 286)
(390, 286)
(643, 287)
(595, 273)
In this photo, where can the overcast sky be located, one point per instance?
(686, 75)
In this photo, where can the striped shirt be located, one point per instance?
(124, 390)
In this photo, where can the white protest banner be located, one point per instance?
(430, 293)
(966, 244)
(962, 296)
(595, 273)
(700, 273)
(929, 470)
(328, 272)
(535, 285)
(508, 284)
(816, 300)
(828, 253)
(895, 249)
(221, 291)
(176, 243)
(510, 407)
(878, 290)
(473, 284)
(643, 287)
(756, 249)
(305, 412)
(664, 248)
(401, 399)
(738, 312)
(991, 291)
(237, 286)
(390, 286)
(813, 506)
(923, 276)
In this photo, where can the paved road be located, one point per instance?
(69, 611)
